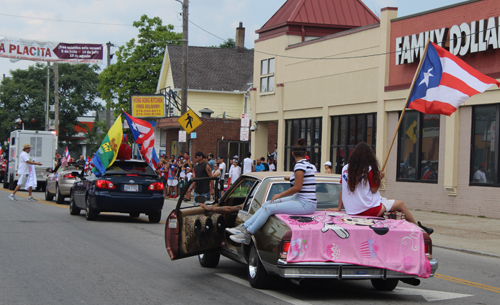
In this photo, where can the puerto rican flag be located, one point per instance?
(444, 82)
(144, 135)
(66, 157)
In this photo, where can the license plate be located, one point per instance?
(131, 188)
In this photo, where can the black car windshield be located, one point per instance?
(130, 168)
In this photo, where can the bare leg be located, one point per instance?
(16, 189)
(400, 207)
(30, 190)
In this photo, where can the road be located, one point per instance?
(50, 257)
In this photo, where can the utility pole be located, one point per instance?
(56, 98)
(47, 107)
(108, 102)
(185, 44)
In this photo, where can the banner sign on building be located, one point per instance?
(21, 49)
(147, 106)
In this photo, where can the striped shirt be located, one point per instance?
(308, 191)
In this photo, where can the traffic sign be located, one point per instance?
(189, 121)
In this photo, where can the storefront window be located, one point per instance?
(347, 131)
(484, 145)
(418, 152)
(310, 130)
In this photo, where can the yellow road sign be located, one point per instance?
(189, 121)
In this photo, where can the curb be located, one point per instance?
(467, 251)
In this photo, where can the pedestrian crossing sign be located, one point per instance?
(189, 121)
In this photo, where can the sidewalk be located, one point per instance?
(463, 233)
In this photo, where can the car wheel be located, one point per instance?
(12, 185)
(73, 210)
(385, 285)
(209, 260)
(48, 196)
(257, 275)
(154, 217)
(59, 197)
(134, 214)
(90, 213)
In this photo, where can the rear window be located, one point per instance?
(327, 194)
(130, 168)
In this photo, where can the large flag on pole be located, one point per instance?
(107, 152)
(444, 82)
(144, 135)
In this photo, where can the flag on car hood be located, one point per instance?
(444, 82)
(106, 154)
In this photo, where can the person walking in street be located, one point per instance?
(202, 170)
(222, 168)
(234, 172)
(23, 171)
(248, 164)
(211, 161)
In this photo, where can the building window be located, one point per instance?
(418, 147)
(484, 147)
(267, 75)
(347, 131)
(310, 130)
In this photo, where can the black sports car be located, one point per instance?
(128, 186)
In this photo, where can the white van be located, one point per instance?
(44, 145)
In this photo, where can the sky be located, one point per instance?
(101, 21)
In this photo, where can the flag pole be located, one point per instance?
(406, 103)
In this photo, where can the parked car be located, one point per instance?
(193, 231)
(128, 186)
(60, 180)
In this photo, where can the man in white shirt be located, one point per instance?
(23, 171)
(247, 164)
(222, 168)
(480, 175)
(234, 171)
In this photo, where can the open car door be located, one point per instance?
(191, 230)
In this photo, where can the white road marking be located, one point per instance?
(272, 293)
(428, 295)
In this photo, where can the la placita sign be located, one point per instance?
(476, 36)
(51, 51)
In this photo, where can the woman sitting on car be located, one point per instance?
(300, 199)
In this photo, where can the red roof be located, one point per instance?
(334, 14)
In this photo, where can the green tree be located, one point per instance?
(138, 64)
(24, 94)
(229, 44)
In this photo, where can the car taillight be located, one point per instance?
(284, 249)
(68, 176)
(104, 184)
(156, 186)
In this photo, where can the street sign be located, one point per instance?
(189, 121)
(193, 135)
(245, 120)
(244, 133)
(182, 136)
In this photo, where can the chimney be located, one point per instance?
(239, 42)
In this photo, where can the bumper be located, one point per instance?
(104, 202)
(340, 271)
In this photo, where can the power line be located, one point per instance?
(207, 31)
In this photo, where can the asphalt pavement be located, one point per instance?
(476, 235)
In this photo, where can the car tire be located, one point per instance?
(59, 198)
(73, 209)
(384, 285)
(257, 275)
(209, 260)
(154, 217)
(134, 214)
(90, 213)
(48, 196)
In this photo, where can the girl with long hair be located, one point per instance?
(360, 180)
(300, 199)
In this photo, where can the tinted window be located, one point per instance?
(130, 168)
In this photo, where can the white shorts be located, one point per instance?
(172, 182)
(388, 203)
(22, 180)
